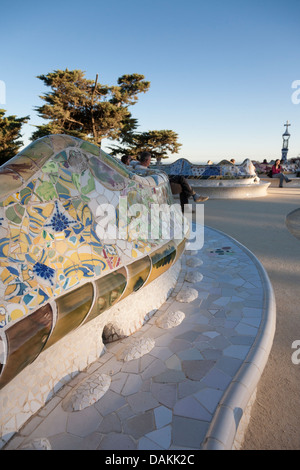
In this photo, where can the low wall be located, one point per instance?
(229, 192)
(238, 191)
(223, 170)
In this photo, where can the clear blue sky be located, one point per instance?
(221, 71)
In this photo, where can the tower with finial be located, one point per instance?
(285, 142)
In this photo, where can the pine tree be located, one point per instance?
(10, 135)
(157, 142)
(85, 108)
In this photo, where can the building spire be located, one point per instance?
(285, 144)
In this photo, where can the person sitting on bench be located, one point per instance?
(277, 173)
(186, 190)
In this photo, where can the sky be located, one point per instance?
(221, 71)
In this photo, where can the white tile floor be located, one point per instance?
(172, 397)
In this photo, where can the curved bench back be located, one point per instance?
(71, 242)
(223, 170)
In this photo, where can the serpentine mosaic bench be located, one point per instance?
(290, 167)
(223, 170)
(66, 275)
(222, 180)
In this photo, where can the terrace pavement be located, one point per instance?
(269, 227)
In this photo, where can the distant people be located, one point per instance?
(209, 162)
(265, 161)
(143, 161)
(232, 161)
(277, 173)
(126, 159)
(186, 190)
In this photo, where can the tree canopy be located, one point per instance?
(10, 135)
(157, 142)
(91, 111)
(85, 108)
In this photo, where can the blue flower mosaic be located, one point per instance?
(59, 221)
(44, 271)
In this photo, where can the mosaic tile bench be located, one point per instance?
(68, 279)
(290, 167)
(222, 180)
(223, 170)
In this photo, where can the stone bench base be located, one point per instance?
(227, 189)
(231, 191)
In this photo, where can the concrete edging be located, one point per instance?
(230, 413)
(232, 192)
(274, 182)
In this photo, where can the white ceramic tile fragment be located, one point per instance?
(187, 294)
(194, 262)
(137, 349)
(38, 444)
(88, 392)
(170, 319)
(193, 276)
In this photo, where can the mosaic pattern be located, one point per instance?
(88, 392)
(55, 243)
(222, 170)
